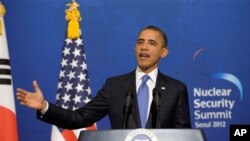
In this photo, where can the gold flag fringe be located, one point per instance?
(2, 13)
(73, 17)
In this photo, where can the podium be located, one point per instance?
(143, 135)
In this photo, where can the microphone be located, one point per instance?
(156, 99)
(127, 109)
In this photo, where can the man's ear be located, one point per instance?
(164, 52)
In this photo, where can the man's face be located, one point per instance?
(149, 50)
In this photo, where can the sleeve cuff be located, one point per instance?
(43, 111)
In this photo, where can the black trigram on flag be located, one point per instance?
(5, 73)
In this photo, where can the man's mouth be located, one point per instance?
(143, 55)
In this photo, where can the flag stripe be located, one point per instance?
(56, 134)
(5, 71)
(93, 127)
(4, 62)
(5, 81)
(69, 135)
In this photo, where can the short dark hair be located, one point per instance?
(155, 28)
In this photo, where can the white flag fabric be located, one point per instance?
(8, 123)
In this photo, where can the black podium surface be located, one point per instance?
(143, 135)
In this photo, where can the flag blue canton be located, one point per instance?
(73, 89)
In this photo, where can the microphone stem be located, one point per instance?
(158, 123)
(157, 96)
(127, 110)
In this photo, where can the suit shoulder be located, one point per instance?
(172, 80)
(121, 77)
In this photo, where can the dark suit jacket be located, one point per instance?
(174, 108)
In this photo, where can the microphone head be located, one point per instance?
(156, 92)
(128, 99)
(129, 93)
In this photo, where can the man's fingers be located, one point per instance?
(22, 91)
(23, 103)
(22, 98)
(21, 95)
(36, 87)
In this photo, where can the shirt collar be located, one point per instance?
(153, 74)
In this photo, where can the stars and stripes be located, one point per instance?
(73, 89)
(73, 86)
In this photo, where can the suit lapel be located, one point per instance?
(161, 83)
(161, 87)
(130, 85)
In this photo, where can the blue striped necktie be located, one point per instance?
(143, 98)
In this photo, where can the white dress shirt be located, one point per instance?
(151, 83)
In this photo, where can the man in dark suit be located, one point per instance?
(151, 46)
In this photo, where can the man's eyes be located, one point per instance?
(140, 42)
(150, 42)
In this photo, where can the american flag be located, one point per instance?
(73, 87)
